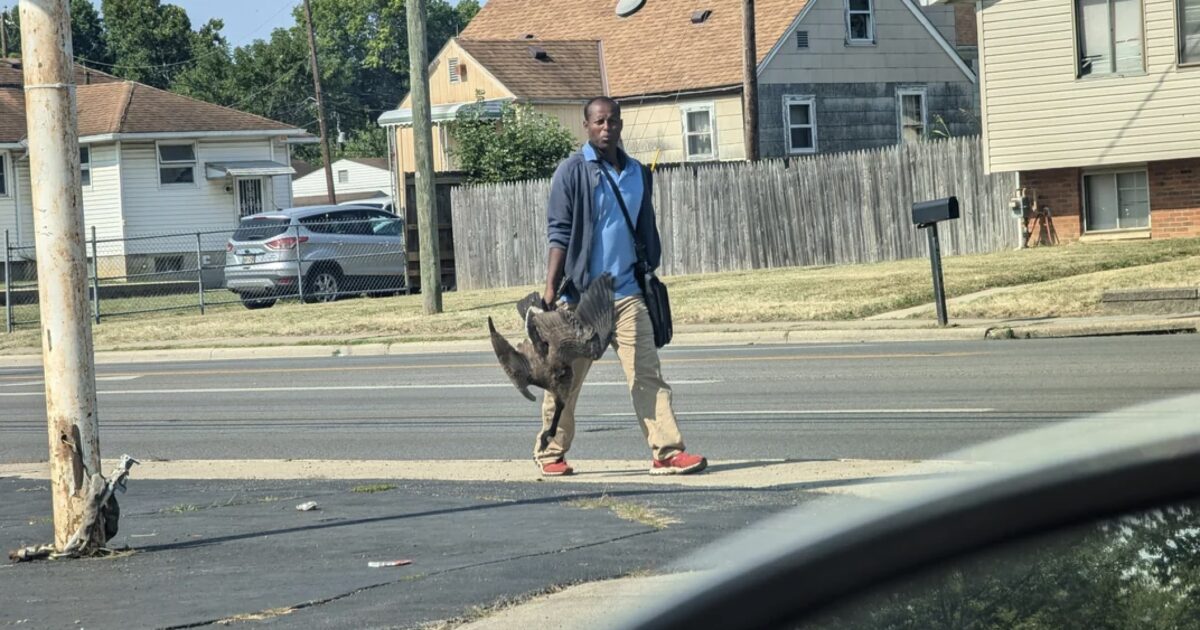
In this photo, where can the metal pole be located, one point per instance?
(935, 261)
(749, 80)
(8, 318)
(299, 267)
(95, 278)
(316, 72)
(200, 272)
(67, 359)
(427, 227)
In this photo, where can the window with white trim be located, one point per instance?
(860, 21)
(343, 176)
(1189, 31)
(910, 105)
(1116, 200)
(3, 174)
(176, 163)
(1109, 36)
(452, 67)
(85, 166)
(699, 132)
(800, 120)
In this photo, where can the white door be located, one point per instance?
(250, 196)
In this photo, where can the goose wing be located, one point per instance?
(514, 364)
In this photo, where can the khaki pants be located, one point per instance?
(634, 343)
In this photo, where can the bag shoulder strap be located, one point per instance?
(637, 246)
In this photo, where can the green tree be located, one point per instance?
(209, 77)
(150, 41)
(369, 142)
(88, 35)
(523, 144)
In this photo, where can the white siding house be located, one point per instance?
(352, 178)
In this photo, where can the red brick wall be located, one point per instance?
(1174, 201)
(964, 25)
(1174, 198)
(1058, 190)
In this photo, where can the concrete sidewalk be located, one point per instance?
(855, 331)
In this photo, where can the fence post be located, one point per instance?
(8, 318)
(200, 272)
(299, 267)
(95, 278)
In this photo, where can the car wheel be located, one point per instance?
(322, 285)
(256, 303)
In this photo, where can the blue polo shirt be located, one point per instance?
(612, 243)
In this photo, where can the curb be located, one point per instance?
(1155, 327)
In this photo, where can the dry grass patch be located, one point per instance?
(792, 294)
(626, 510)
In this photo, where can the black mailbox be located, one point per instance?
(926, 212)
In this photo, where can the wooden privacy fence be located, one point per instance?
(823, 210)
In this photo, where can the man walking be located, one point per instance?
(589, 236)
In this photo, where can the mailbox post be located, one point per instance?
(926, 215)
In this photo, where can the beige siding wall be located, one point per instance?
(442, 91)
(1038, 115)
(406, 153)
(654, 131)
(570, 116)
(904, 51)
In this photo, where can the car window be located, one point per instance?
(1136, 571)
(260, 228)
(319, 223)
(385, 224)
(351, 222)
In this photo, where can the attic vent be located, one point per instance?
(700, 17)
(801, 39)
(539, 53)
(529, 36)
(455, 75)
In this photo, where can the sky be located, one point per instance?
(245, 20)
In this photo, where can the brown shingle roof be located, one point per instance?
(569, 70)
(656, 50)
(128, 107)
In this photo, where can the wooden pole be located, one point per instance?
(4, 35)
(67, 358)
(427, 224)
(316, 73)
(750, 80)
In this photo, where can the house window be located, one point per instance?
(452, 66)
(799, 114)
(1116, 201)
(1110, 36)
(3, 174)
(85, 166)
(177, 164)
(860, 21)
(343, 176)
(699, 132)
(1189, 31)
(911, 105)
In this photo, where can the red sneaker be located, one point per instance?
(681, 464)
(557, 468)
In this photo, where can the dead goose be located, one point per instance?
(556, 339)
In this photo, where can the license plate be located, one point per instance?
(247, 260)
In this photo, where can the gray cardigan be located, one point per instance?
(569, 218)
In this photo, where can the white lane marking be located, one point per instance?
(25, 384)
(813, 412)
(762, 348)
(121, 377)
(343, 388)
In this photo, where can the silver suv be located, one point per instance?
(318, 253)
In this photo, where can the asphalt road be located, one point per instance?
(878, 400)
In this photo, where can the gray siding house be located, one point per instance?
(850, 75)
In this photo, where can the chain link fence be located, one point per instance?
(264, 260)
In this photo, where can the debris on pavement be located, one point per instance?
(389, 563)
(308, 507)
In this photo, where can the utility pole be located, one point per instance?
(4, 34)
(67, 360)
(750, 81)
(427, 227)
(316, 72)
